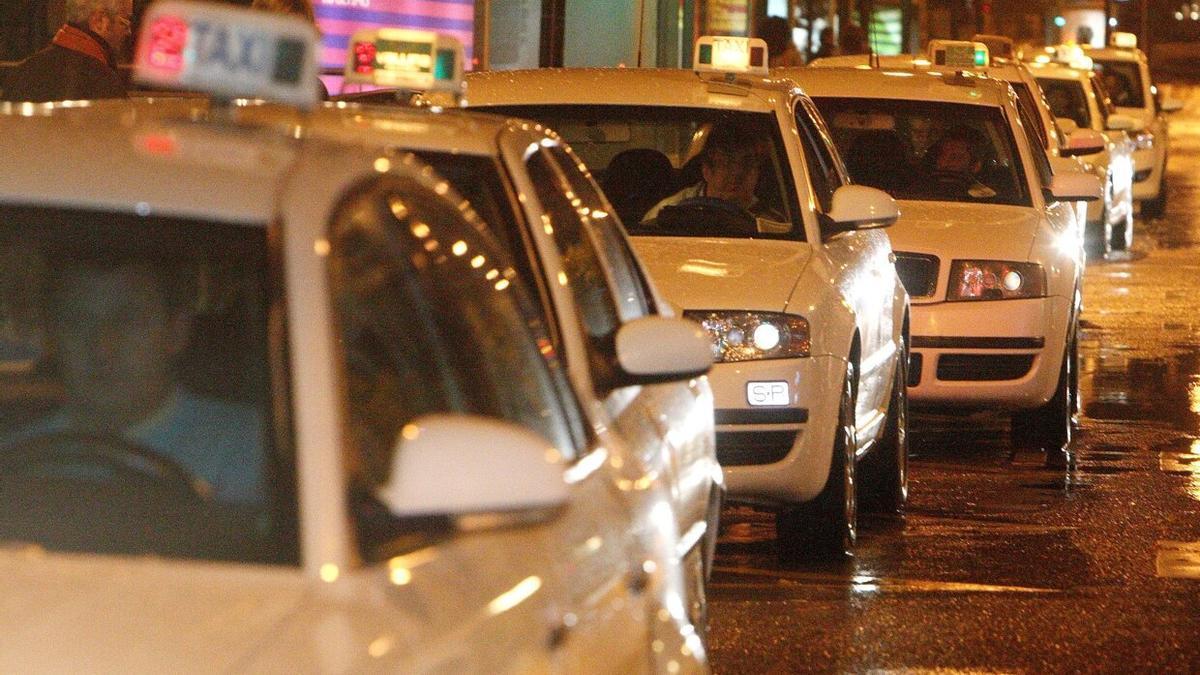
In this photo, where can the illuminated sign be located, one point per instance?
(722, 54)
(406, 59)
(959, 54)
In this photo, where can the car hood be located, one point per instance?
(702, 273)
(951, 230)
(93, 613)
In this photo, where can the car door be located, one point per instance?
(865, 274)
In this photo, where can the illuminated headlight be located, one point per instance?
(995, 280)
(1143, 140)
(748, 336)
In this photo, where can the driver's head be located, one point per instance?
(958, 152)
(117, 327)
(731, 162)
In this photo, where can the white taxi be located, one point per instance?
(1125, 71)
(795, 284)
(541, 203)
(1082, 149)
(273, 401)
(1077, 103)
(987, 243)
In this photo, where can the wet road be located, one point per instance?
(1002, 565)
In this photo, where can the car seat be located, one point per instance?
(880, 159)
(635, 180)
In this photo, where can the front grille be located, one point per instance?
(983, 367)
(761, 415)
(918, 273)
(744, 448)
(1142, 175)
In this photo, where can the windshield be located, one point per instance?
(135, 396)
(675, 171)
(431, 319)
(1123, 80)
(928, 150)
(1067, 99)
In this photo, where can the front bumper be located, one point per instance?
(777, 454)
(1003, 354)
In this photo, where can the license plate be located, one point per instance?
(768, 393)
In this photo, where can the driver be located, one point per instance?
(729, 166)
(116, 328)
(956, 163)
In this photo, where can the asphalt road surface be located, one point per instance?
(1002, 565)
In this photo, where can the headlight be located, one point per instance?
(995, 280)
(748, 336)
(1143, 140)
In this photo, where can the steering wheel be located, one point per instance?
(67, 448)
(706, 213)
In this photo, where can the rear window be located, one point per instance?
(928, 150)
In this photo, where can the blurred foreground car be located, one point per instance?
(987, 244)
(273, 401)
(796, 285)
(622, 344)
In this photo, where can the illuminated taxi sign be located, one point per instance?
(722, 54)
(1000, 46)
(959, 54)
(228, 52)
(1123, 40)
(405, 59)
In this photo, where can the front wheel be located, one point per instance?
(886, 470)
(827, 526)
(1049, 426)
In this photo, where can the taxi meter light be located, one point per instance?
(1123, 40)
(959, 54)
(724, 54)
(405, 59)
(228, 52)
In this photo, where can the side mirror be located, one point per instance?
(655, 349)
(858, 207)
(1084, 142)
(1171, 105)
(463, 465)
(1074, 186)
(1067, 125)
(1119, 122)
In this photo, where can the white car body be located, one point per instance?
(1116, 162)
(1037, 331)
(667, 426)
(1153, 141)
(591, 585)
(845, 285)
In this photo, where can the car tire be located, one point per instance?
(1049, 426)
(1155, 208)
(827, 526)
(886, 469)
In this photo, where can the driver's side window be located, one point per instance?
(583, 271)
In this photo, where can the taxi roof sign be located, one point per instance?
(406, 59)
(1123, 40)
(959, 54)
(730, 55)
(998, 45)
(228, 52)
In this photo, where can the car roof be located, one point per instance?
(182, 157)
(1000, 68)
(628, 86)
(899, 84)
(1057, 71)
(1115, 54)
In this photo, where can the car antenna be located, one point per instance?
(872, 52)
(641, 29)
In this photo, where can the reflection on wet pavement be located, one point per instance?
(1000, 564)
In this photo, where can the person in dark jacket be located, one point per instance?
(81, 61)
